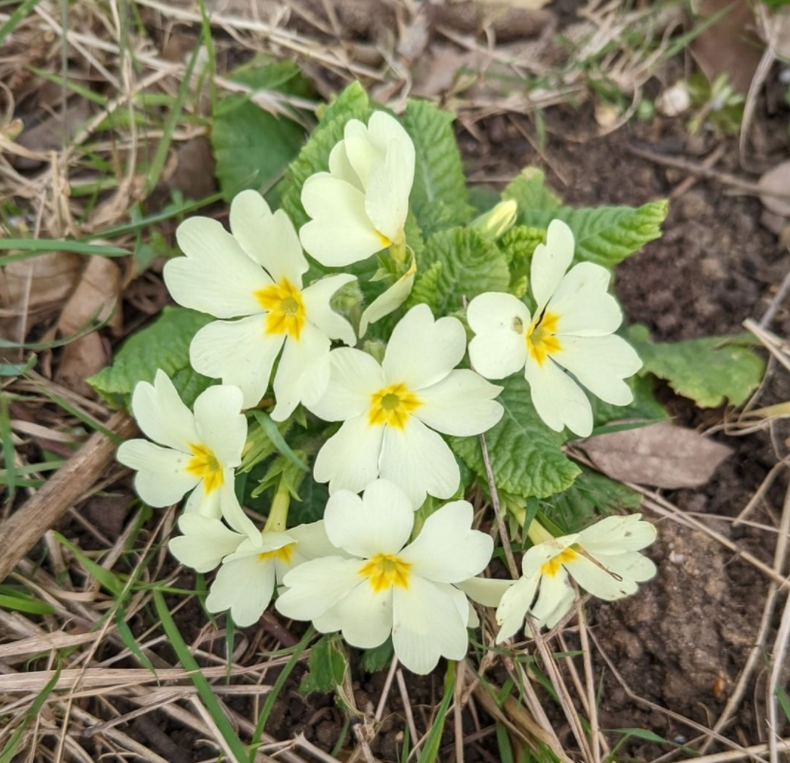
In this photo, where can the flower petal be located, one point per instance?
(316, 586)
(485, 591)
(340, 167)
(555, 599)
(420, 461)
(388, 187)
(631, 565)
(448, 550)
(349, 460)
(614, 535)
(269, 239)
(221, 424)
(541, 553)
(390, 300)
(317, 301)
(427, 624)
(550, 261)
(245, 587)
(462, 404)
(303, 373)
(365, 616)
(601, 363)
(312, 541)
(354, 377)
(500, 322)
(216, 276)
(239, 353)
(233, 512)
(582, 302)
(203, 504)
(161, 479)
(162, 415)
(422, 351)
(558, 400)
(514, 605)
(598, 581)
(204, 543)
(340, 232)
(378, 523)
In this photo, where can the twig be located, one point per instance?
(458, 726)
(776, 301)
(727, 757)
(385, 692)
(22, 530)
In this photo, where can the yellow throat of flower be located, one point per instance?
(286, 310)
(552, 567)
(392, 405)
(541, 339)
(204, 464)
(384, 571)
(282, 554)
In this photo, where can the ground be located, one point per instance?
(678, 650)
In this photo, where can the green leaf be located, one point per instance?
(708, 371)
(379, 657)
(605, 235)
(591, 494)
(529, 191)
(645, 406)
(25, 604)
(327, 666)
(107, 578)
(470, 265)
(430, 751)
(526, 456)
(518, 245)
(439, 198)
(352, 103)
(252, 147)
(164, 344)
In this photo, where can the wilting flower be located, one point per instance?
(603, 559)
(196, 452)
(389, 587)
(572, 330)
(393, 411)
(250, 566)
(360, 206)
(255, 275)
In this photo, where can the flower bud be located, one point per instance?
(496, 221)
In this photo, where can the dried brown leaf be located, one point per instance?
(661, 455)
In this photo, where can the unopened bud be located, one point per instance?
(496, 221)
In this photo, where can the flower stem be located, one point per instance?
(538, 533)
(278, 515)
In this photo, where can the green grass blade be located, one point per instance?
(431, 749)
(199, 680)
(108, 579)
(18, 15)
(23, 604)
(7, 442)
(32, 247)
(160, 157)
(278, 685)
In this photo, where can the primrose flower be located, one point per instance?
(249, 566)
(391, 586)
(196, 452)
(255, 275)
(572, 330)
(360, 206)
(393, 411)
(603, 559)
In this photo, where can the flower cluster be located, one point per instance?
(373, 567)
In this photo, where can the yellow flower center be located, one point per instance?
(286, 310)
(204, 464)
(385, 242)
(392, 406)
(541, 339)
(282, 554)
(552, 567)
(384, 571)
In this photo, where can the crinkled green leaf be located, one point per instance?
(708, 371)
(352, 103)
(645, 406)
(591, 494)
(163, 344)
(605, 235)
(518, 246)
(439, 198)
(526, 456)
(470, 265)
(327, 666)
(426, 286)
(529, 191)
(251, 146)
